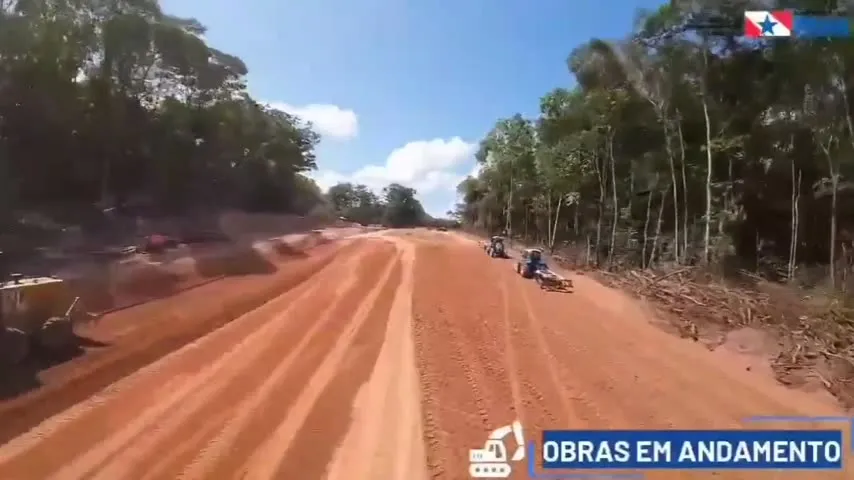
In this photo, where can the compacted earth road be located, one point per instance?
(380, 357)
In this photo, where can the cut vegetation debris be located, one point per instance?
(815, 332)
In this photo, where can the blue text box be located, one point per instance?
(692, 449)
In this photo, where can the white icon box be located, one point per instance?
(491, 461)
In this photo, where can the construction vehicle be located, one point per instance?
(36, 312)
(495, 247)
(491, 460)
(532, 265)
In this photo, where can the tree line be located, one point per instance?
(114, 102)
(683, 144)
(395, 207)
(114, 105)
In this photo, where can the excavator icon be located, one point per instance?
(491, 460)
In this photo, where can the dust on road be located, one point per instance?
(388, 358)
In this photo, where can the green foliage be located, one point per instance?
(402, 209)
(110, 101)
(677, 139)
(397, 207)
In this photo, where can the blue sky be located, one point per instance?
(403, 91)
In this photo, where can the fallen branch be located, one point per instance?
(671, 274)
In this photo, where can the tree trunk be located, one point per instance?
(727, 197)
(834, 182)
(613, 199)
(658, 225)
(600, 208)
(556, 223)
(833, 227)
(684, 187)
(646, 226)
(793, 243)
(587, 261)
(646, 229)
(508, 222)
(549, 215)
(707, 231)
(629, 207)
(674, 184)
(525, 219)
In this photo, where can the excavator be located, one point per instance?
(491, 460)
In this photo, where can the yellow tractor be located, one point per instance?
(34, 311)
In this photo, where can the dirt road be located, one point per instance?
(382, 358)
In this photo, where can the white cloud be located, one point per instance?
(330, 121)
(326, 178)
(425, 165)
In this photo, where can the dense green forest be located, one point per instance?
(107, 104)
(112, 101)
(683, 143)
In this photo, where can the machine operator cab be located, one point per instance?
(531, 261)
(495, 248)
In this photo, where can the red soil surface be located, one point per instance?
(384, 357)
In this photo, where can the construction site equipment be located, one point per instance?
(532, 265)
(35, 311)
(495, 247)
(157, 243)
(530, 261)
(491, 461)
(549, 280)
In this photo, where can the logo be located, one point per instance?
(491, 460)
(758, 24)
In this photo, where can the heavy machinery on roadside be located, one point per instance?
(532, 265)
(495, 247)
(35, 312)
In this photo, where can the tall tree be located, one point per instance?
(690, 144)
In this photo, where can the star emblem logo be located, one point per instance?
(768, 25)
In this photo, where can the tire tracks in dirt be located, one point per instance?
(579, 363)
(73, 383)
(275, 457)
(385, 439)
(560, 413)
(647, 372)
(513, 370)
(636, 376)
(326, 380)
(133, 419)
(579, 409)
(459, 328)
(169, 430)
(206, 398)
